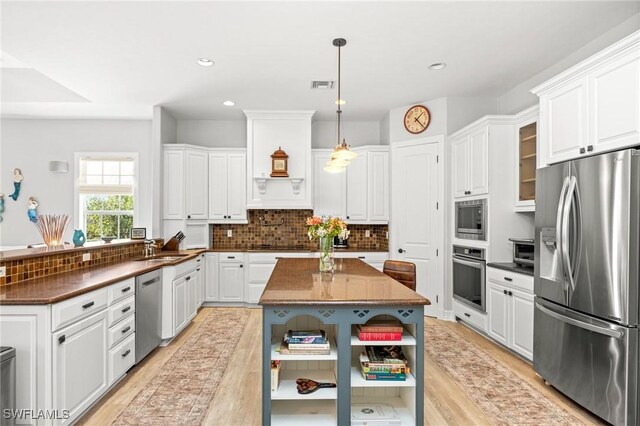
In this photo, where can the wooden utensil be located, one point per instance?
(306, 386)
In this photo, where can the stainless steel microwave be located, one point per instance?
(471, 219)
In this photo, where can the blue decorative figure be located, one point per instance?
(31, 210)
(17, 181)
(1, 205)
(78, 238)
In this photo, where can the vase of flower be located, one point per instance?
(324, 229)
(326, 254)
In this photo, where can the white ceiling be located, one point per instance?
(124, 57)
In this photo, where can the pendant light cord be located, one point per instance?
(339, 112)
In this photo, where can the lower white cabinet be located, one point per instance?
(80, 365)
(211, 284)
(180, 316)
(510, 310)
(231, 281)
(192, 295)
(121, 358)
(201, 272)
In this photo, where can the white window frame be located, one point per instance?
(76, 187)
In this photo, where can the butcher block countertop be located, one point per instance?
(59, 287)
(298, 281)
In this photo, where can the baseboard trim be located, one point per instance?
(449, 316)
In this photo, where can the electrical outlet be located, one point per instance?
(367, 233)
(229, 233)
(86, 257)
(387, 235)
(3, 271)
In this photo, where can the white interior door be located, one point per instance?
(416, 216)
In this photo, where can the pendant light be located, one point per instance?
(342, 155)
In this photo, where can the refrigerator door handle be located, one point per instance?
(587, 326)
(566, 258)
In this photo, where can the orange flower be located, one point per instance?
(314, 220)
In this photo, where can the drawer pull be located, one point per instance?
(61, 339)
(127, 328)
(466, 314)
(127, 352)
(231, 257)
(361, 257)
(88, 305)
(126, 289)
(508, 279)
(128, 308)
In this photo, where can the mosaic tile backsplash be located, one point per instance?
(51, 264)
(286, 228)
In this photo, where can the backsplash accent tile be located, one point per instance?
(50, 264)
(286, 228)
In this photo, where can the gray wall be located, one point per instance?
(31, 144)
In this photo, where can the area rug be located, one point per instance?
(498, 392)
(185, 385)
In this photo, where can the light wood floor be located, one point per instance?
(238, 401)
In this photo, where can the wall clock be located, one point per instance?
(279, 166)
(417, 119)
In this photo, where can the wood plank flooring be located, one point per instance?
(238, 401)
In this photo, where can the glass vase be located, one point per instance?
(326, 254)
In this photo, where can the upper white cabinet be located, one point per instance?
(227, 186)
(196, 183)
(329, 189)
(471, 162)
(174, 184)
(592, 107)
(526, 137)
(361, 193)
(268, 131)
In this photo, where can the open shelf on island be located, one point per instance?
(407, 340)
(404, 412)
(308, 413)
(357, 381)
(288, 388)
(333, 353)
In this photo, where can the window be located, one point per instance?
(106, 191)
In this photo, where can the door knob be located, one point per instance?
(401, 250)
(582, 151)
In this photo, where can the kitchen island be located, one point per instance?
(298, 296)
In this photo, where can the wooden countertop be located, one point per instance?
(56, 288)
(298, 281)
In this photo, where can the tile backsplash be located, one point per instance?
(19, 270)
(286, 228)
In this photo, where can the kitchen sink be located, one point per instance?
(164, 258)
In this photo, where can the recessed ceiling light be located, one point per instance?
(205, 62)
(437, 66)
(228, 103)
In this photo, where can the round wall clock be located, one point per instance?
(417, 119)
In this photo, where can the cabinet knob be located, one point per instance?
(504, 291)
(347, 217)
(242, 266)
(582, 151)
(188, 216)
(590, 148)
(61, 339)
(510, 293)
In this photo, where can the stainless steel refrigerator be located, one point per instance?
(586, 282)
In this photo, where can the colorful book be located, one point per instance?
(285, 350)
(307, 341)
(371, 336)
(374, 415)
(384, 355)
(310, 346)
(384, 376)
(275, 375)
(381, 326)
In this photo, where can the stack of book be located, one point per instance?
(305, 342)
(275, 375)
(384, 363)
(380, 330)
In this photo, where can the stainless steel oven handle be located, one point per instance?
(596, 329)
(477, 265)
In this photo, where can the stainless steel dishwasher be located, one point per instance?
(148, 313)
(8, 388)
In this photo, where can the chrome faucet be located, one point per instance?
(149, 248)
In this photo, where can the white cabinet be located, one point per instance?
(470, 154)
(192, 295)
(211, 287)
(201, 273)
(227, 186)
(510, 310)
(357, 189)
(378, 186)
(180, 302)
(526, 138)
(592, 107)
(329, 189)
(231, 281)
(367, 181)
(173, 179)
(196, 178)
(80, 373)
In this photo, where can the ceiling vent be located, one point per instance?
(322, 84)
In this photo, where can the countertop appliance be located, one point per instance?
(523, 251)
(8, 380)
(587, 252)
(148, 313)
(469, 276)
(471, 219)
(340, 242)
